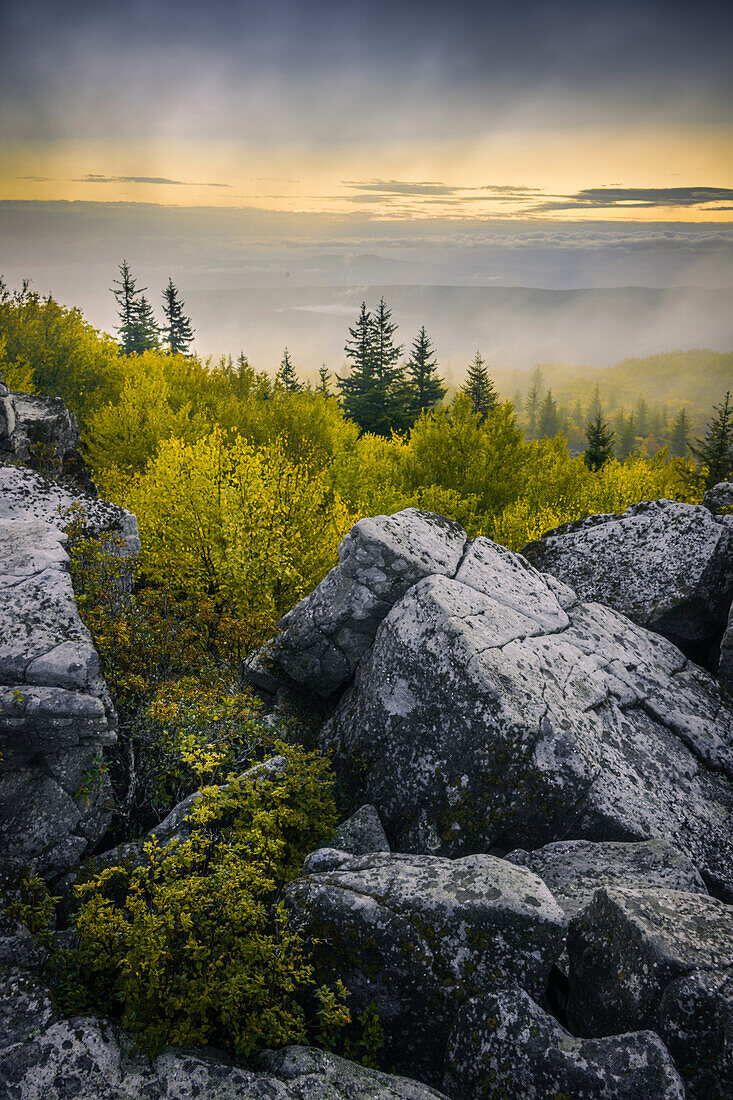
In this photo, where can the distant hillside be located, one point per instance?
(695, 379)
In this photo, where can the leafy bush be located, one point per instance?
(194, 946)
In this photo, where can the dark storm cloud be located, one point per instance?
(351, 71)
(595, 198)
(94, 178)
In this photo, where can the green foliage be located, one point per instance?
(194, 947)
(177, 332)
(600, 442)
(715, 451)
(426, 389)
(286, 375)
(479, 387)
(27, 900)
(137, 329)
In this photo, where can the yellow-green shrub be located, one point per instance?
(194, 947)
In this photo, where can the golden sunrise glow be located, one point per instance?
(551, 165)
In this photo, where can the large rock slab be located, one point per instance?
(324, 637)
(56, 716)
(658, 959)
(666, 565)
(504, 1045)
(498, 719)
(361, 833)
(725, 664)
(719, 499)
(574, 869)
(37, 430)
(89, 1058)
(418, 935)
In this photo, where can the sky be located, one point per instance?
(238, 143)
(391, 109)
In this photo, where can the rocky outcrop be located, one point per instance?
(324, 637)
(505, 1045)
(495, 711)
(361, 833)
(667, 566)
(41, 432)
(660, 959)
(55, 713)
(719, 499)
(89, 1058)
(418, 935)
(574, 869)
(725, 664)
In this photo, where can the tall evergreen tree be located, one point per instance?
(479, 387)
(600, 443)
(286, 375)
(177, 331)
(374, 393)
(324, 380)
(679, 435)
(425, 388)
(715, 451)
(548, 421)
(355, 386)
(534, 400)
(626, 437)
(595, 405)
(642, 418)
(137, 329)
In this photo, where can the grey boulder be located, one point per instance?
(660, 959)
(361, 833)
(504, 1045)
(418, 935)
(666, 565)
(494, 711)
(323, 638)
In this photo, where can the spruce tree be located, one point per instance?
(286, 376)
(679, 435)
(479, 387)
(424, 386)
(324, 380)
(548, 421)
(595, 405)
(600, 443)
(138, 328)
(177, 332)
(715, 451)
(626, 442)
(534, 398)
(127, 296)
(355, 386)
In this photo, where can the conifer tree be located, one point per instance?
(595, 405)
(715, 451)
(177, 332)
(324, 380)
(600, 443)
(374, 393)
(479, 387)
(532, 406)
(548, 421)
(626, 439)
(138, 329)
(286, 375)
(355, 386)
(679, 435)
(425, 388)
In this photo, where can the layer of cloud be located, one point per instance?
(598, 198)
(93, 177)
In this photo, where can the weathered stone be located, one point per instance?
(626, 948)
(725, 663)
(89, 1058)
(418, 935)
(326, 859)
(504, 1045)
(25, 1008)
(56, 716)
(479, 720)
(719, 499)
(696, 1022)
(574, 869)
(40, 431)
(665, 565)
(361, 833)
(325, 636)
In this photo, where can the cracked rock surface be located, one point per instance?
(494, 710)
(660, 959)
(55, 712)
(419, 935)
(505, 1045)
(668, 566)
